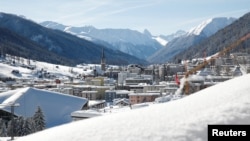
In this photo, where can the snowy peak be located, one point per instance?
(210, 26)
(53, 25)
(197, 30)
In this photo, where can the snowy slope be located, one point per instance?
(60, 71)
(164, 39)
(179, 120)
(55, 106)
(6, 70)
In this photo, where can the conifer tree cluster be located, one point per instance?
(23, 126)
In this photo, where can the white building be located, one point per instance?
(122, 76)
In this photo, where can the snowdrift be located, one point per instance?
(179, 120)
(55, 106)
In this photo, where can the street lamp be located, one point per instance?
(12, 106)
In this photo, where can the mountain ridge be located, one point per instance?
(64, 44)
(133, 42)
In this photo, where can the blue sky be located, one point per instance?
(158, 16)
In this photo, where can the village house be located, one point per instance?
(121, 102)
(110, 95)
(136, 98)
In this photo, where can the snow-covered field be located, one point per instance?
(180, 120)
(54, 69)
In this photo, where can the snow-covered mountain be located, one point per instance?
(185, 119)
(133, 42)
(156, 49)
(210, 26)
(193, 37)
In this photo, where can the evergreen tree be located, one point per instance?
(19, 126)
(39, 119)
(9, 128)
(31, 125)
(26, 128)
(3, 131)
(23, 126)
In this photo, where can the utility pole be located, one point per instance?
(12, 106)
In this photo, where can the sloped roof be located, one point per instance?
(56, 107)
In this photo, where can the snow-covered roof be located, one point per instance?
(95, 102)
(85, 113)
(56, 107)
(118, 100)
(184, 119)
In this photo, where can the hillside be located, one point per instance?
(221, 39)
(12, 43)
(63, 44)
(184, 119)
(193, 37)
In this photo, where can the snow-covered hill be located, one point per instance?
(129, 41)
(185, 119)
(58, 71)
